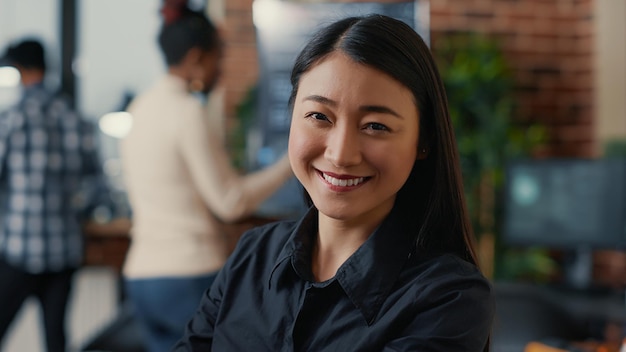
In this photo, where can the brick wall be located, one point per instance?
(548, 42)
(549, 46)
(240, 64)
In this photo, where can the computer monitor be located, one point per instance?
(572, 205)
(565, 203)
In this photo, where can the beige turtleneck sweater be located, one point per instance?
(181, 185)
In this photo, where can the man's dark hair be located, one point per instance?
(28, 54)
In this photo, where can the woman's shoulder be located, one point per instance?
(274, 230)
(451, 291)
(445, 284)
(447, 272)
(266, 240)
(166, 94)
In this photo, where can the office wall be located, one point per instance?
(550, 47)
(17, 22)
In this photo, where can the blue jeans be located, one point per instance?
(164, 306)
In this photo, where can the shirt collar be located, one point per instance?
(297, 249)
(368, 275)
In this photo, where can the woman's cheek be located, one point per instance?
(304, 146)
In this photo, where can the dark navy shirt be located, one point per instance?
(386, 297)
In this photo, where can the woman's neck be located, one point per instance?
(337, 240)
(179, 71)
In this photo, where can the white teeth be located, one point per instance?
(342, 182)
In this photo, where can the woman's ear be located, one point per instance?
(422, 147)
(422, 144)
(192, 68)
(192, 58)
(422, 151)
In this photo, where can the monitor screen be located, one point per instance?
(565, 203)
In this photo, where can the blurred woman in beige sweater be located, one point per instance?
(181, 184)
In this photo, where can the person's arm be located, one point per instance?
(458, 316)
(229, 195)
(8, 120)
(96, 187)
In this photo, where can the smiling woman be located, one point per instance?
(384, 259)
(352, 124)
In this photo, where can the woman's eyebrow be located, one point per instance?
(380, 109)
(368, 108)
(320, 99)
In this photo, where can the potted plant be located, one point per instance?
(480, 89)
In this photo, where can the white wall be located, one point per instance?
(610, 70)
(117, 51)
(17, 20)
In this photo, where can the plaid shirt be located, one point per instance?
(47, 154)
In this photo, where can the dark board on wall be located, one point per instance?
(282, 29)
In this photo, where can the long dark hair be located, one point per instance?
(184, 29)
(432, 200)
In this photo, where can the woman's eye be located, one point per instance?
(317, 116)
(376, 127)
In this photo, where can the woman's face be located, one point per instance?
(353, 138)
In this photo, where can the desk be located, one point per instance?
(528, 312)
(596, 305)
(107, 244)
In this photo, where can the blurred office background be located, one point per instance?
(537, 90)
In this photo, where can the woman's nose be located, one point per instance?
(343, 148)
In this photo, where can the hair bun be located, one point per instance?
(172, 10)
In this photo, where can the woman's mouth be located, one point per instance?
(343, 181)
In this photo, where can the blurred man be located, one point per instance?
(47, 152)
